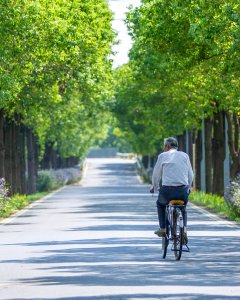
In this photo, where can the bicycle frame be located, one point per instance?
(174, 230)
(170, 209)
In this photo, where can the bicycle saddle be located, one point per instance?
(176, 202)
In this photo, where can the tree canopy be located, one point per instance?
(55, 71)
(184, 66)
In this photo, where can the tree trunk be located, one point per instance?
(18, 158)
(219, 153)
(198, 159)
(153, 160)
(145, 161)
(31, 163)
(58, 162)
(190, 145)
(54, 157)
(2, 148)
(8, 152)
(46, 161)
(68, 162)
(181, 143)
(233, 143)
(208, 154)
(36, 154)
(22, 159)
(15, 159)
(73, 161)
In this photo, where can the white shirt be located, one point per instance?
(173, 168)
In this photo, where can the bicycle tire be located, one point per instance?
(165, 242)
(177, 233)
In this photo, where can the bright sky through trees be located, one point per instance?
(119, 8)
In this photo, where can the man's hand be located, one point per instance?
(151, 190)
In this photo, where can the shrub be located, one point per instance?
(232, 194)
(4, 190)
(48, 180)
(4, 198)
(18, 202)
(9, 205)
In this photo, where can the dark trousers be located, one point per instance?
(167, 193)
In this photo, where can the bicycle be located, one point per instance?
(174, 229)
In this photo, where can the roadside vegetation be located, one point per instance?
(17, 202)
(47, 181)
(216, 204)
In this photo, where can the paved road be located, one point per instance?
(96, 241)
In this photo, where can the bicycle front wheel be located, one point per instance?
(165, 241)
(177, 233)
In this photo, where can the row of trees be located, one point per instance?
(55, 77)
(184, 67)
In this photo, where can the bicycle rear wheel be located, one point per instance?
(177, 233)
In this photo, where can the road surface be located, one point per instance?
(95, 241)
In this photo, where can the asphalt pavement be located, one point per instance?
(95, 240)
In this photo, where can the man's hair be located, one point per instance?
(171, 142)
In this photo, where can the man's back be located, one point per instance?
(175, 168)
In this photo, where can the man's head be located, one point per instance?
(170, 143)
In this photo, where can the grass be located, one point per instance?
(17, 202)
(215, 204)
(37, 196)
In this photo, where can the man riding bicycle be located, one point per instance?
(173, 169)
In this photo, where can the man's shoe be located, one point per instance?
(185, 238)
(161, 232)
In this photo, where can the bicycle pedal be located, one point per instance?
(186, 250)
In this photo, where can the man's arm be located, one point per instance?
(157, 174)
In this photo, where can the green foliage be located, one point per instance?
(17, 202)
(115, 138)
(184, 65)
(215, 203)
(46, 181)
(37, 196)
(133, 108)
(12, 204)
(55, 71)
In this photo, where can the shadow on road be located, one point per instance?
(108, 241)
